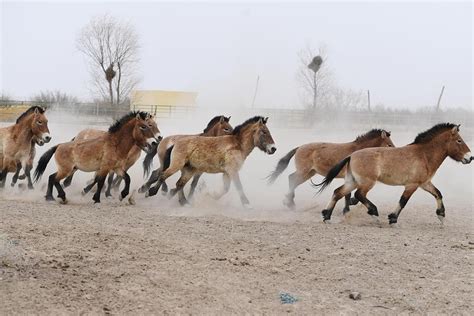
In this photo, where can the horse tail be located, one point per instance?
(281, 166)
(43, 162)
(167, 161)
(148, 161)
(332, 174)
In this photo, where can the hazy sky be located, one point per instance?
(402, 52)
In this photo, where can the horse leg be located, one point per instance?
(89, 187)
(49, 191)
(338, 194)
(361, 195)
(225, 189)
(294, 180)
(27, 170)
(125, 190)
(164, 187)
(59, 188)
(346, 208)
(3, 177)
(154, 177)
(440, 210)
(186, 175)
(194, 185)
(243, 198)
(353, 201)
(16, 175)
(110, 180)
(176, 165)
(67, 182)
(100, 180)
(409, 190)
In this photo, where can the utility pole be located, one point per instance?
(368, 100)
(439, 99)
(256, 89)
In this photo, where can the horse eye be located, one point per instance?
(143, 127)
(459, 141)
(39, 123)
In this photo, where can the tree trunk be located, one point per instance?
(118, 82)
(315, 92)
(111, 92)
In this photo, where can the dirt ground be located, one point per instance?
(121, 259)
(217, 258)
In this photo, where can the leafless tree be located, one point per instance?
(316, 85)
(112, 49)
(54, 98)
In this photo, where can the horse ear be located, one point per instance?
(222, 119)
(265, 120)
(36, 111)
(228, 119)
(384, 134)
(138, 117)
(455, 129)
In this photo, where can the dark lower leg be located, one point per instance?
(100, 184)
(49, 191)
(338, 194)
(393, 217)
(125, 190)
(371, 208)
(154, 177)
(240, 189)
(67, 182)
(346, 208)
(164, 187)
(16, 175)
(3, 178)
(89, 187)
(59, 188)
(28, 177)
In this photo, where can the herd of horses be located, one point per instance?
(220, 148)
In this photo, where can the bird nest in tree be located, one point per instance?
(315, 63)
(110, 73)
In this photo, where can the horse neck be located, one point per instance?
(434, 152)
(245, 139)
(124, 139)
(365, 144)
(211, 132)
(23, 130)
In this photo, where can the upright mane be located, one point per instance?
(252, 120)
(428, 135)
(373, 133)
(29, 111)
(125, 119)
(213, 122)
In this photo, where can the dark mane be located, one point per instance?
(373, 133)
(125, 119)
(428, 135)
(213, 122)
(252, 120)
(29, 111)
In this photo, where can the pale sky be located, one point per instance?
(403, 52)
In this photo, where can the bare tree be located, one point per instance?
(54, 98)
(112, 49)
(315, 84)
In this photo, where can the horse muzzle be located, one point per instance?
(467, 158)
(46, 138)
(271, 149)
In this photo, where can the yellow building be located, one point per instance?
(162, 103)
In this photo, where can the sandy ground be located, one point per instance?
(217, 258)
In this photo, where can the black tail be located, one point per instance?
(43, 162)
(167, 161)
(332, 174)
(148, 161)
(282, 164)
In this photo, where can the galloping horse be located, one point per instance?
(16, 141)
(224, 154)
(133, 156)
(411, 166)
(217, 126)
(29, 166)
(319, 158)
(102, 154)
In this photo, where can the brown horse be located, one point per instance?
(217, 126)
(224, 154)
(319, 158)
(16, 141)
(29, 165)
(133, 156)
(102, 154)
(411, 166)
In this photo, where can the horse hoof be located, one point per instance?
(63, 201)
(49, 198)
(12, 184)
(326, 215)
(392, 218)
(289, 204)
(141, 190)
(30, 187)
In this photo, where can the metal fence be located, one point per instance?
(94, 113)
